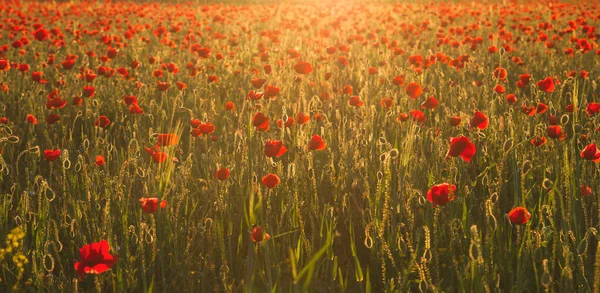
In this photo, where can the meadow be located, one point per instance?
(290, 147)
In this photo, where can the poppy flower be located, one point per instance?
(541, 108)
(89, 91)
(130, 100)
(95, 259)
(162, 86)
(441, 194)
(592, 108)
(222, 174)
(150, 205)
(100, 160)
(288, 123)
(479, 120)
(555, 131)
(499, 89)
(156, 155)
(302, 118)
(274, 148)
(519, 216)
(430, 103)
(41, 34)
(546, 85)
(386, 103)
(258, 82)
(181, 86)
(347, 89)
(418, 116)
(414, 90)
(229, 106)
(51, 155)
(398, 80)
(455, 120)
(102, 121)
(303, 68)
(167, 139)
(4, 120)
(257, 234)
(585, 190)
(135, 109)
(402, 117)
(260, 121)
(538, 141)
(52, 118)
(316, 143)
(461, 146)
(206, 128)
(500, 73)
(591, 153)
(271, 180)
(511, 99)
(355, 101)
(271, 91)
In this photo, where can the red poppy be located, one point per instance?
(430, 103)
(316, 143)
(51, 155)
(592, 108)
(511, 99)
(258, 82)
(229, 106)
(347, 89)
(479, 120)
(95, 259)
(167, 139)
(441, 194)
(130, 100)
(260, 121)
(555, 131)
(499, 89)
(302, 118)
(355, 101)
(100, 160)
(414, 90)
(386, 103)
(41, 34)
(274, 148)
(303, 68)
(206, 128)
(222, 174)
(271, 91)
(156, 154)
(288, 123)
(102, 121)
(271, 180)
(181, 86)
(538, 141)
(455, 120)
(591, 153)
(546, 85)
(418, 116)
(541, 108)
(52, 118)
(402, 117)
(519, 216)
(4, 120)
(135, 109)
(461, 146)
(500, 73)
(162, 86)
(257, 234)
(585, 190)
(150, 205)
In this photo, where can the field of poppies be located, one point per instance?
(299, 147)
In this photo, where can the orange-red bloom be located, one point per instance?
(546, 85)
(591, 153)
(222, 174)
(150, 205)
(441, 194)
(316, 143)
(52, 155)
(519, 216)
(461, 146)
(271, 180)
(274, 148)
(95, 259)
